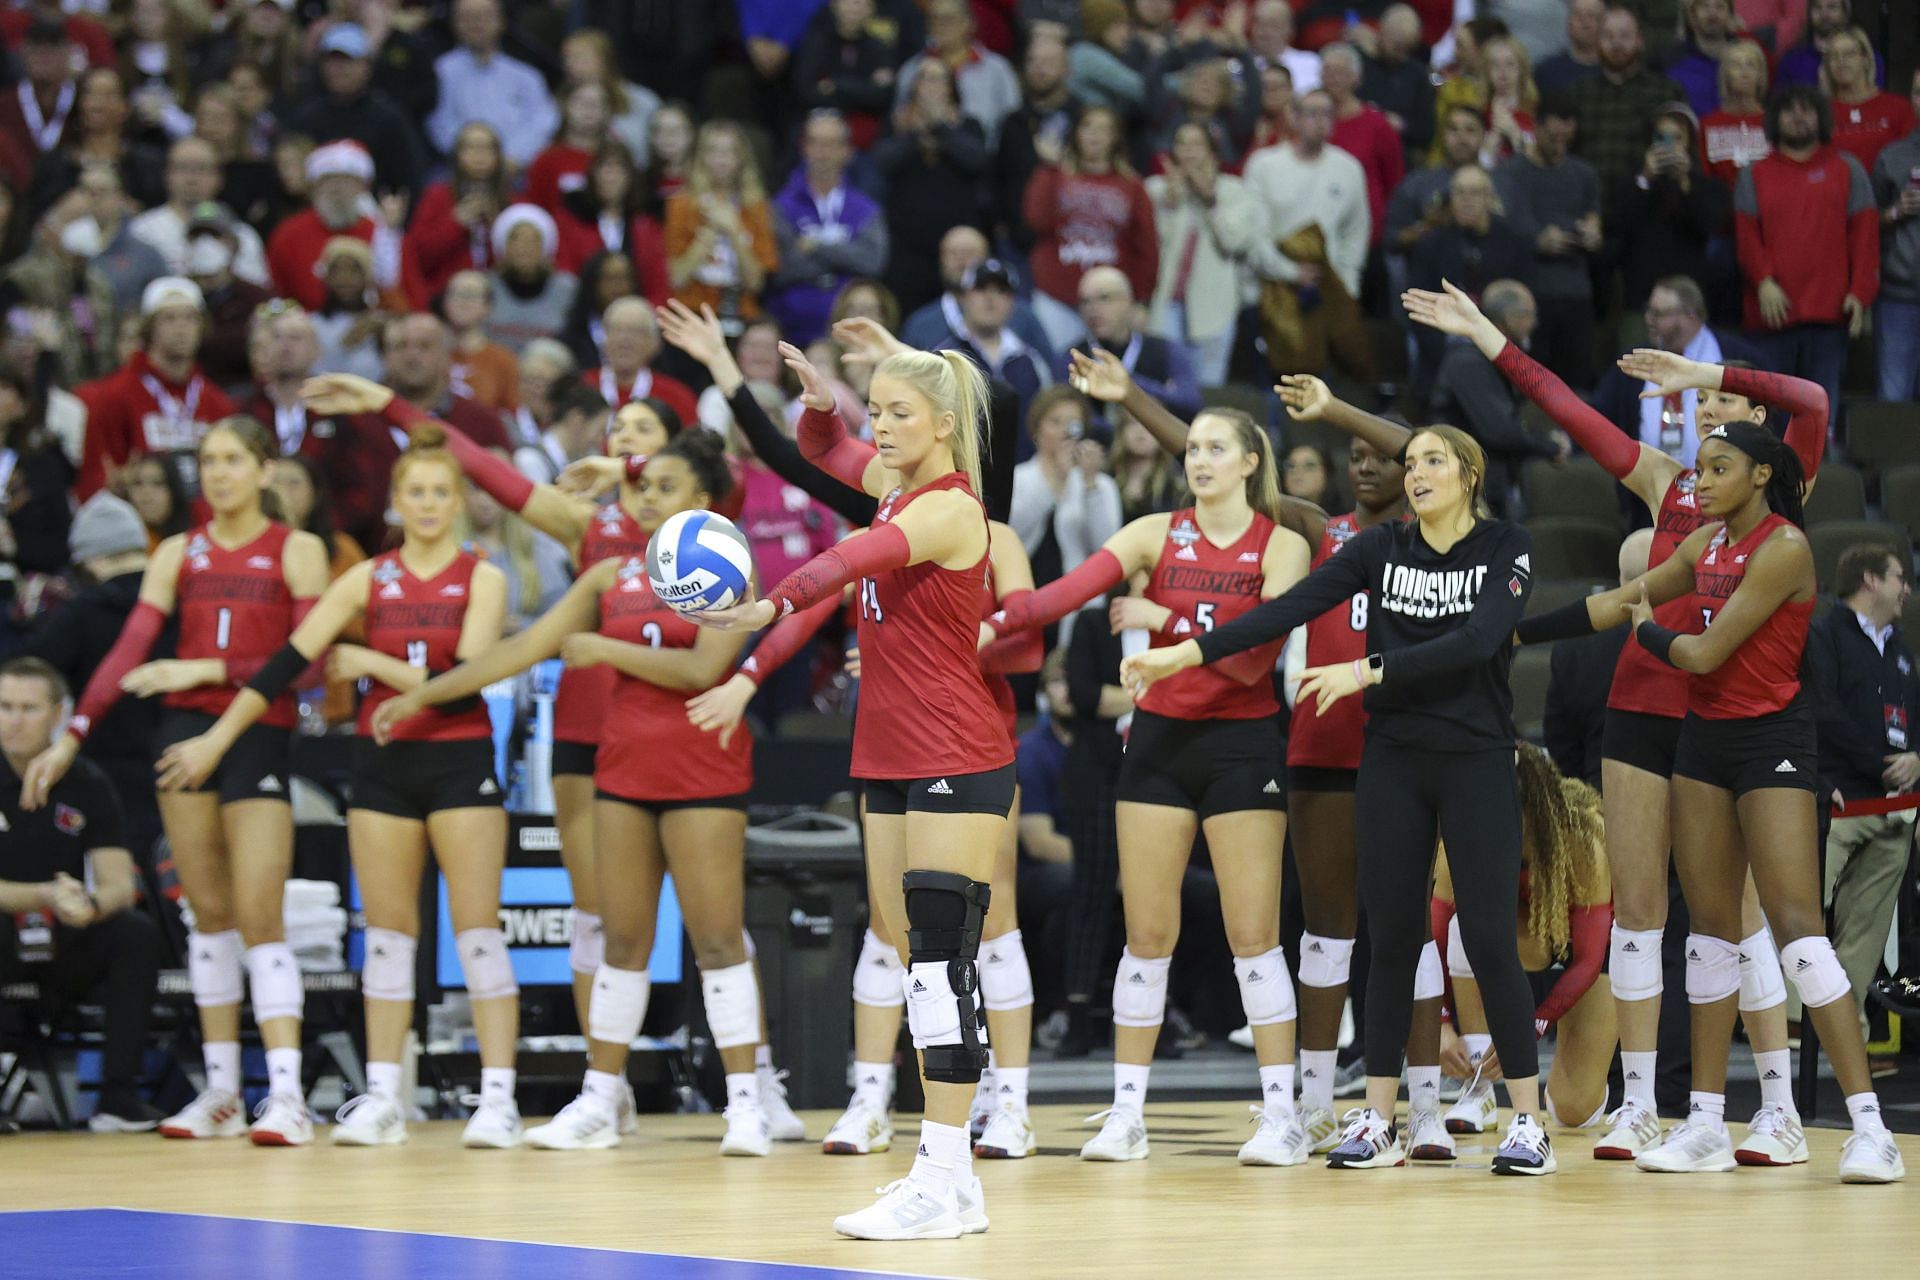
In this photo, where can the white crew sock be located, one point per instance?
(383, 1080)
(605, 1085)
(1708, 1109)
(283, 1072)
(942, 1159)
(496, 1084)
(1776, 1079)
(873, 1084)
(1317, 1069)
(223, 1065)
(1477, 1043)
(1276, 1089)
(763, 1057)
(1130, 1086)
(1010, 1087)
(1865, 1110)
(1638, 1069)
(743, 1089)
(1423, 1089)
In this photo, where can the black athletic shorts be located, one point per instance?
(657, 807)
(415, 779)
(1640, 740)
(1319, 778)
(574, 757)
(1208, 766)
(1776, 750)
(990, 792)
(256, 767)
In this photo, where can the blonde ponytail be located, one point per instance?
(952, 383)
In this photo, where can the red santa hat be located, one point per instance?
(345, 156)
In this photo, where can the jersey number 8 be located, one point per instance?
(1357, 611)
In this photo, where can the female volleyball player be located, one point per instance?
(426, 606)
(650, 817)
(1644, 708)
(1744, 786)
(1446, 590)
(240, 583)
(928, 738)
(1204, 752)
(1566, 911)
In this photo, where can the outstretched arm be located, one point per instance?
(1781, 569)
(1101, 375)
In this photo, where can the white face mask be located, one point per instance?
(207, 256)
(81, 237)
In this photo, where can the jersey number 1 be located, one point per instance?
(223, 629)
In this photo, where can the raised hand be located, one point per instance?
(1450, 312)
(1306, 397)
(814, 391)
(699, 335)
(1669, 373)
(1099, 374)
(591, 477)
(866, 341)
(338, 393)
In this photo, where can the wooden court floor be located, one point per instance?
(1189, 1210)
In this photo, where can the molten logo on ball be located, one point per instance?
(698, 560)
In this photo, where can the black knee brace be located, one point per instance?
(945, 914)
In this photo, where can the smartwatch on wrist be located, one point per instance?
(1377, 665)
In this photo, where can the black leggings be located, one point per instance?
(1404, 799)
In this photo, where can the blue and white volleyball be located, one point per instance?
(697, 560)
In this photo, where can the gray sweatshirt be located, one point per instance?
(1898, 168)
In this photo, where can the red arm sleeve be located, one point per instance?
(1144, 243)
(789, 636)
(824, 442)
(1016, 654)
(1592, 926)
(861, 556)
(1098, 573)
(495, 475)
(1608, 445)
(143, 627)
(1806, 401)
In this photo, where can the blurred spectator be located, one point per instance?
(1735, 135)
(159, 402)
(1552, 200)
(1473, 248)
(1710, 30)
(248, 184)
(345, 105)
(1465, 83)
(450, 229)
(961, 249)
(579, 431)
(155, 491)
(1667, 215)
(1042, 760)
(607, 215)
(1776, 24)
(478, 82)
(1581, 60)
(212, 245)
(1676, 319)
(1207, 222)
(719, 231)
(1204, 94)
(1809, 238)
(261, 36)
(1362, 131)
(1035, 134)
(1580, 678)
(91, 40)
(34, 507)
(98, 135)
(827, 230)
(1065, 505)
(340, 174)
(1865, 117)
(1896, 192)
(670, 137)
(194, 178)
(1395, 78)
(1161, 368)
(1617, 106)
(1512, 100)
(757, 352)
(128, 263)
(843, 66)
(402, 58)
(605, 278)
(530, 297)
(1307, 474)
(1275, 122)
(306, 505)
(153, 63)
(58, 279)
(1419, 205)
(632, 341)
(1108, 68)
(1270, 43)
(1802, 63)
(1090, 211)
(770, 29)
(544, 365)
(1539, 25)
(286, 353)
(1150, 478)
(984, 83)
(483, 371)
(38, 117)
(560, 169)
(348, 322)
(936, 165)
(538, 568)
(986, 305)
(587, 55)
(1473, 395)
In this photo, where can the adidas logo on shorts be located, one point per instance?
(1785, 766)
(1271, 789)
(940, 788)
(271, 783)
(489, 788)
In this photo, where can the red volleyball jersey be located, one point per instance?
(1641, 682)
(234, 605)
(418, 621)
(925, 708)
(584, 692)
(1210, 586)
(997, 684)
(648, 750)
(1763, 675)
(1333, 740)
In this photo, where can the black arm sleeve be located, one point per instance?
(1488, 627)
(1003, 442)
(1334, 582)
(1087, 667)
(783, 458)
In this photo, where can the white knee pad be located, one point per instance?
(588, 949)
(733, 1005)
(1266, 989)
(1713, 968)
(1457, 963)
(214, 968)
(1546, 1096)
(1005, 981)
(876, 978)
(618, 1004)
(1140, 991)
(1816, 971)
(1325, 962)
(1633, 963)
(484, 959)
(387, 972)
(934, 1007)
(275, 977)
(1429, 982)
(1762, 985)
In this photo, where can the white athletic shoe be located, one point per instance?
(369, 1120)
(281, 1120)
(1526, 1150)
(585, 1124)
(1427, 1136)
(907, 1210)
(493, 1125)
(1690, 1148)
(1871, 1157)
(1477, 1111)
(628, 1112)
(1122, 1137)
(1774, 1139)
(1323, 1131)
(862, 1129)
(214, 1114)
(973, 1206)
(782, 1123)
(1632, 1128)
(1368, 1143)
(747, 1132)
(1241, 1039)
(983, 1107)
(1278, 1143)
(1008, 1135)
